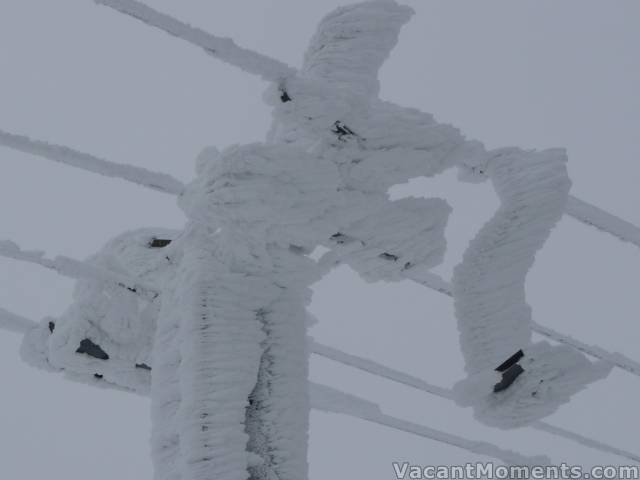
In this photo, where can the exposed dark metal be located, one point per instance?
(52, 327)
(159, 242)
(284, 96)
(508, 377)
(342, 130)
(510, 361)
(389, 256)
(339, 238)
(93, 350)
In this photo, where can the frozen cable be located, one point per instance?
(221, 48)
(440, 285)
(330, 400)
(141, 176)
(402, 378)
(15, 323)
(76, 269)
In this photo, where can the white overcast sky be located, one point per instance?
(534, 73)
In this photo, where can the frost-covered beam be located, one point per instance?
(429, 280)
(377, 369)
(437, 283)
(141, 176)
(327, 399)
(587, 442)
(593, 216)
(75, 269)
(580, 210)
(223, 49)
(477, 447)
(402, 378)
(618, 359)
(15, 323)
(330, 400)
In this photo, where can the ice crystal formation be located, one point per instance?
(211, 321)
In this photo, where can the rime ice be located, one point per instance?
(211, 321)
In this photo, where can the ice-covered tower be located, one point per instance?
(229, 389)
(229, 352)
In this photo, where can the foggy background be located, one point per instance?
(533, 74)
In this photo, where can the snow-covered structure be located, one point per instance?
(513, 381)
(211, 321)
(39, 347)
(237, 307)
(108, 321)
(380, 145)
